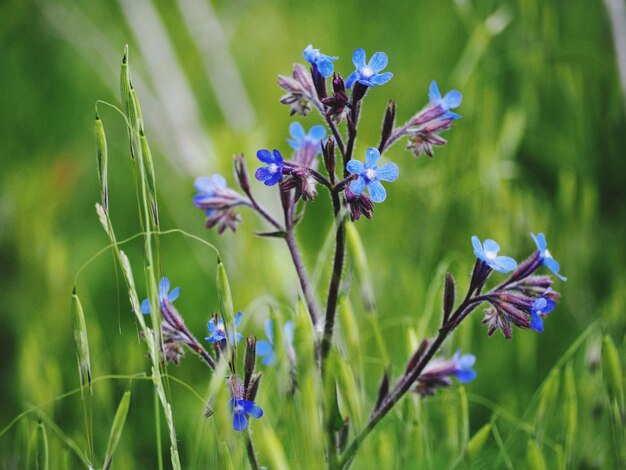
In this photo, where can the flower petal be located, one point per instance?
(269, 359)
(273, 179)
(251, 408)
(145, 307)
(372, 155)
(433, 92)
(381, 79)
(238, 319)
(172, 296)
(388, 172)
(263, 348)
(355, 167)
(491, 245)
(262, 174)
(358, 58)
(536, 322)
(377, 192)
(378, 62)
(351, 79)
(278, 158)
(503, 264)
(317, 133)
(325, 67)
(452, 99)
(309, 53)
(265, 156)
(240, 422)
(465, 376)
(297, 131)
(358, 185)
(540, 241)
(478, 247)
(466, 361)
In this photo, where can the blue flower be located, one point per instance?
(265, 349)
(539, 309)
(450, 101)
(463, 367)
(164, 293)
(370, 175)
(368, 74)
(321, 61)
(301, 140)
(241, 408)
(218, 331)
(438, 373)
(547, 259)
(274, 171)
(488, 252)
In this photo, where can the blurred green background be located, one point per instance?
(540, 148)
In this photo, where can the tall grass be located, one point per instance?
(540, 147)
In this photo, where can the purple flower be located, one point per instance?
(322, 62)
(488, 253)
(218, 202)
(370, 175)
(539, 309)
(265, 349)
(274, 171)
(218, 333)
(306, 145)
(463, 367)
(300, 139)
(547, 259)
(164, 293)
(241, 408)
(367, 74)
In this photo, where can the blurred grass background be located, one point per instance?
(540, 148)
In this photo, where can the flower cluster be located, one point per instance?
(525, 299)
(424, 128)
(218, 202)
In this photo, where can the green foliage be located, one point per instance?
(540, 148)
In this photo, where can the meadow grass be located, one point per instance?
(540, 148)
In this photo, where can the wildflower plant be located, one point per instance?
(323, 158)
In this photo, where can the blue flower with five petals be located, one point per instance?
(547, 259)
(450, 101)
(463, 367)
(271, 174)
(539, 309)
(323, 62)
(488, 252)
(370, 175)
(218, 331)
(367, 74)
(301, 140)
(164, 293)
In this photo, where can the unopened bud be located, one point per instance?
(241, 172)
(253, 386)
(389, 122)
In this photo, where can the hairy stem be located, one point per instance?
(335, 280)
(302, 275)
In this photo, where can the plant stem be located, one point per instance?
(335, 281)
(302, 276)
(254, 462)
